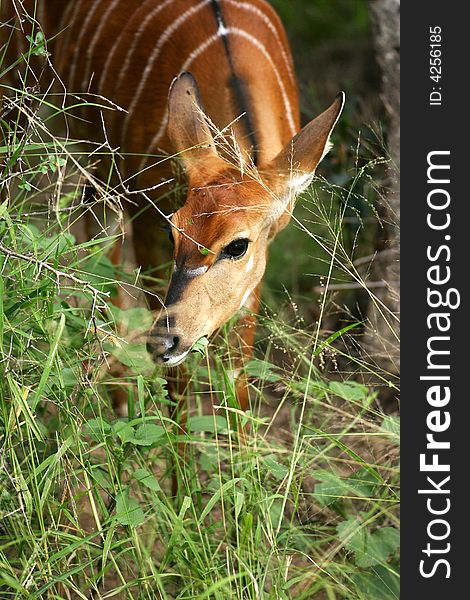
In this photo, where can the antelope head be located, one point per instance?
(222, 232)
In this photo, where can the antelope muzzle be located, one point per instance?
(164, 344)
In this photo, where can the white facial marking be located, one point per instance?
(249, 266)
(197, 271)
(176, 360)
(245, 298)
(301, 182)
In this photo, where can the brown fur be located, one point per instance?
(224, 201)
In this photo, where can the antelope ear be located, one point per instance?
(188, 128)
(292, 170)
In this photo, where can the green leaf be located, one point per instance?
(102, 477)
(263, 370)
(228, 485)
(12, 582)
(279, 471)
(25, 185)
(391, 425)
(20, 396)
(369, 548)
(362, 484)
(98, 429)
(147, 434)
(384, 543)
(134, 356)
(349, 390)
(132, 320)
(3, 208)
(206, 423)
(330, 489)
(378, 583)
(50, 360)
(37, 44)
(353, 535)
(147, 479)
(208, 458)
(276, 513)
(239, 502)
(69, 378)
(333, 487)
(353, 455)
(124, 431)
(128, 510)
(200, 345)
(331, 338)
(100, 272)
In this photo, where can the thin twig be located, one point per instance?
(59, 274)
(382, 254)
(370, 285)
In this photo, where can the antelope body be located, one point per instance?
(192, 76)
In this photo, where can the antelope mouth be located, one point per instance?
(175, 360)
(170, 350)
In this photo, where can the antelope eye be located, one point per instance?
(236, 249)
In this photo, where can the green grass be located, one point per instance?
(306, 507)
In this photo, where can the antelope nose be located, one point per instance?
(162, 346)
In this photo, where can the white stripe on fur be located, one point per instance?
(262, 49)
(200, 50)
(267, 21)
(78, 47)
(194, 54)
(68, 21)
(153, 57)
(94, 41)
(135, 41)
